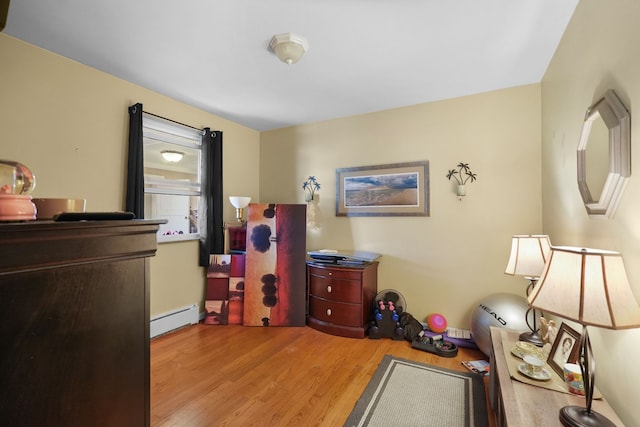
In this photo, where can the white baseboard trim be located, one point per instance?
(174, 319)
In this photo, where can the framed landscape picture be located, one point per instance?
(400, 189)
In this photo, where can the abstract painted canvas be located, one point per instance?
(275, 270)
(224, 293)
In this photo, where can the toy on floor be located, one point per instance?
(460, 342)
(436, 345)
(437, 323)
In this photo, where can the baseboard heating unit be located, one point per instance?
(175, 319)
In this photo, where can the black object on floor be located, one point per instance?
(435, 345)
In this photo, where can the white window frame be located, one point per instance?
(180, 138)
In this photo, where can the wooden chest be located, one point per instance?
(341, 298)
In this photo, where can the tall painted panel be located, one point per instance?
(275, 271)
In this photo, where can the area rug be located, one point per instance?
(407, 393)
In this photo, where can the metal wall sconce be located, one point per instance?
(461, 174)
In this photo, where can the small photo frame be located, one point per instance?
(564, 349)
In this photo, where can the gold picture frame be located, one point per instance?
(564, 349)
(399, 189)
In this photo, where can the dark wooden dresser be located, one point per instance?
(341, 298)
(74, 323)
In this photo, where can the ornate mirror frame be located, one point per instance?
(617, 119)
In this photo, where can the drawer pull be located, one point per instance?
(328, 312)
(331, 273)
(329, 288)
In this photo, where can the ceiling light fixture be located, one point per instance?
(172, 156)
(289, 47)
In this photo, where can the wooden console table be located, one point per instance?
(74, 323)
(518, 404)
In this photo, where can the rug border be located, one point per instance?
(478, 397)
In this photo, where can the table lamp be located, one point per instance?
(529, 253)
(588, 286)
(239, 202)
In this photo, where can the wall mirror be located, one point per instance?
(604, 155)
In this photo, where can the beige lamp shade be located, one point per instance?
(529, 254)
(588, 286)
(239, 202)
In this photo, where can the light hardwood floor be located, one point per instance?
(206, 375)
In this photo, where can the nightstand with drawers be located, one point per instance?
(340, 298)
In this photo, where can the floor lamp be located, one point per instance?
(588, 286)
(529, 254)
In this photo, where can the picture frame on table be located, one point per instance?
(564, 349)
(399, 189)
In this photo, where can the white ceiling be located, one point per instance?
(364, 55)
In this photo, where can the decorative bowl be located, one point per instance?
(47, 208)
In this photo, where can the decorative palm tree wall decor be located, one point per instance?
(311, 185)
(461, 174)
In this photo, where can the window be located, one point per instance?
(172, 185)
(188, 191)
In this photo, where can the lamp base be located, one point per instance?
(532, 337)
(577, 416)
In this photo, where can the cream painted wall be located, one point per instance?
(598, 52)
(50, 107)
(449, 261)
(69, 123)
